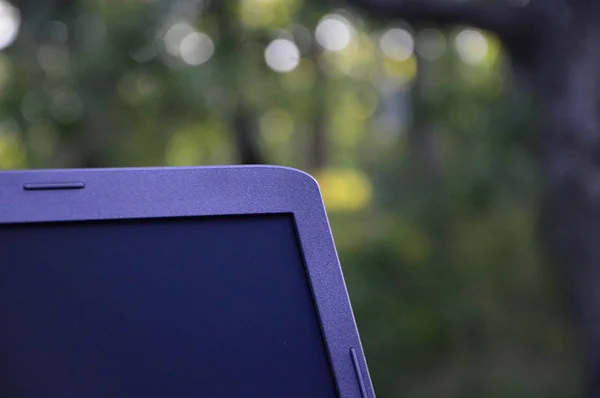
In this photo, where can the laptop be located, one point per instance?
(172, 282)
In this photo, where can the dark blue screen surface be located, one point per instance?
(209, 307)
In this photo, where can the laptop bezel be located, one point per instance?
(33, 196)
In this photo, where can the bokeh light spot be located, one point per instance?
(266, 13)
(282, 55)
(471, 46)
(10, 19)
(333, 32)
(12, 153)
(430, 44)
(397, 44)
(183, 149)
(135, 88)
(345, 190)
(175, 35)
(196, 48)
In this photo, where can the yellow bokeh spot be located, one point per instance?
(352, 108)
(183, 150)
(357, 59)
(195, 144)
(493, 53)
(345, 190)
(12, 153)
(404, 71)
(480, 61)
(266, 13)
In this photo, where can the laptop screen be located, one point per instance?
(203, 307)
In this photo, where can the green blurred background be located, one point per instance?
(422, 140)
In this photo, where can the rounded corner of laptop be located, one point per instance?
(297, 181)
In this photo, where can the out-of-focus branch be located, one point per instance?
(499, 17)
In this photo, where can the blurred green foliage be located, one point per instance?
(426, 159)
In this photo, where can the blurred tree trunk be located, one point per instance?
(422, 134)
(242, 120)
(319, 145)
(555, 45)
(247, 145)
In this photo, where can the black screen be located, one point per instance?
(209, 307)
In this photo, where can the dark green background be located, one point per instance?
(427, 164)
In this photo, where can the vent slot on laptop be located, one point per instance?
(53, 186)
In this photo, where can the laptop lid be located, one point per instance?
(212, 282)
